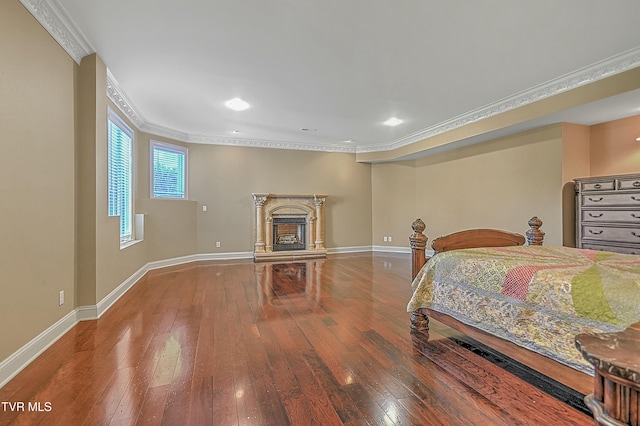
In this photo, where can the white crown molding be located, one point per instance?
(120, 99)
(262, 143)
(590, 74)
(56, 21)
(606, 68)
(53, 18)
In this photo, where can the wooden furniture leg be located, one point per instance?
(616, 357)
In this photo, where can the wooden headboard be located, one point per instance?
(471, 238)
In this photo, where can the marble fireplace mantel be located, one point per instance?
(269, 206)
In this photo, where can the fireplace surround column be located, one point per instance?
(259, 200)
(269, 234)
(319, 203)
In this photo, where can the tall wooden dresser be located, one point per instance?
(608, 213)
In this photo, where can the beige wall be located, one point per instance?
(223, 178)
(502, 183)
(498, 184)
(576, 157)
(36, 178)
(101, 265)
(394, 202)
(614, 149)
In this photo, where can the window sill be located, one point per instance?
(129, 244)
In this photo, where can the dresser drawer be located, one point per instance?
(610, 200)
(603, 185)
(616, 249)
(611, 233)
(628, 216)
(629, 183)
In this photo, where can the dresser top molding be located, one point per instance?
(608, 177)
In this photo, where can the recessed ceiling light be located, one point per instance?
(393, 121)
(236, 104)
(235, 131)
(348, 141)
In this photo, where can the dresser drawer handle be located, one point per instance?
(636, 184)
(600, 215)
(634, 198)
(634, 234)
(597, 186)
(600, 199)
(591, 231)
(635, 216)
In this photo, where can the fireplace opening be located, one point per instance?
(289, 233)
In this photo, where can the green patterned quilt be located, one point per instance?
(537, 297)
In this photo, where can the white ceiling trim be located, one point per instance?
(261, 143)
(53, 18)
(606, 68)
(119, 97)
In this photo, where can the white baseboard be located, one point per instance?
(14, 364)
(17, 361)
(391, 249)
(354, 249)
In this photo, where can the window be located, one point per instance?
(120, 174)
(168, 171)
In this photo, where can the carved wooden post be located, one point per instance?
(319, 203)
(534, 235)
(418, 242)
(259, 200)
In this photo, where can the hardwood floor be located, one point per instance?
(322, 342)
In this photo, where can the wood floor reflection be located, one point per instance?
(323, 342)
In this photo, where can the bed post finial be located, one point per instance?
(418, 242)
(534, 234)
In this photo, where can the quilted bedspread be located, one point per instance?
(537, 297)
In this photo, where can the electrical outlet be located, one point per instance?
(389, 239)
(204, 208)
(217, 243)
(385, 239)
(61, 298)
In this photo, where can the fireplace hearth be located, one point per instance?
(288, 227)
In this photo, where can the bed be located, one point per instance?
(536, 297)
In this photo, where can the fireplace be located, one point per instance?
(289, 233)
(289, 227)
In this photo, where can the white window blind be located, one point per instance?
(120, 174)
(168, 171)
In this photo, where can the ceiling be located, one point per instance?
(325, 75)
